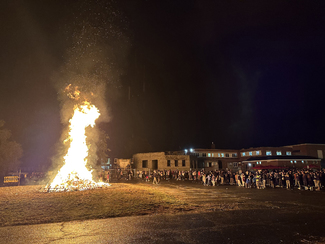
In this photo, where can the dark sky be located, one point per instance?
(237, 73)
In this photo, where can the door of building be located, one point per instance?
(219, 164)
(154, 164)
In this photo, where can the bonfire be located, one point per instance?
(74, 174)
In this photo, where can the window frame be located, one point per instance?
(176, 162)
(144, 163)
(183, 163)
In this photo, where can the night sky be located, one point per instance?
(178, 74)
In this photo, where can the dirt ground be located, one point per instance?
(24, 205)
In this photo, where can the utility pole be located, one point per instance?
(19, 173)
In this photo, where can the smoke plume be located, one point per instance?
(97, 45)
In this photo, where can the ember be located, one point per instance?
(74, 174)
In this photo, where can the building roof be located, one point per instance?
(269, 167)
(214, 150)
(307, 144)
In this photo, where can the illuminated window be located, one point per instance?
(302, 161)
(219, 155)
(291, 161)
(212, 155)
(257, 152)
(295, 162)
(209, 154)
(250, 153)
(222, 155)
(244, 154)
(227, 155)
(288, 153)
(268, 153)
(278, 153)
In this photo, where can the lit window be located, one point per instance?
(250, 153)
(291, 161)
(295, 162)
(243, 154)
(219, 155)
(222, 155)
(212, 155)
(268, 153)
(288, 153)
(209, 154)
(191, 150)
(257, 152)
(302, 161)
(278, 153)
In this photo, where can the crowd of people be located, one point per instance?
(261, 179)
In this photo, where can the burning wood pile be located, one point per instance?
(74, 183)
(74, 175)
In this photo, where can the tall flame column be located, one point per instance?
(74, 168)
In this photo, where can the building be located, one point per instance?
(122, 163)
(161, 161)
(294, 156)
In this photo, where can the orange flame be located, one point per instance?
(74, 174)
(74, 94)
